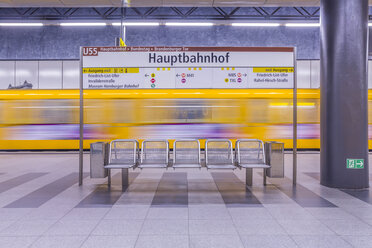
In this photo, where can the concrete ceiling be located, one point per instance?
(157, 3)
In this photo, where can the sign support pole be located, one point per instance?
(81, 123)
(294, 176)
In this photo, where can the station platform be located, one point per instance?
(41, 205)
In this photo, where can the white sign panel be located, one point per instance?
(187, 67)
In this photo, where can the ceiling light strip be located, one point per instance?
(21, 24)
(258, 24)
(302, 25)
(136, 24)
(189, 24)
(82, 24)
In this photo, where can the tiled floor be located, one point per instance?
(41, 205)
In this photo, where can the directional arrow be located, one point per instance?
(146, 75)
(177, 75)
(245, 74)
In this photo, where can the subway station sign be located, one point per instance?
(187, 67)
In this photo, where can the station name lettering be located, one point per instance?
(184, 58)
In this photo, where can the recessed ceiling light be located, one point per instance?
(190, 24)
(136, 24)
(302, 24)
(82, 24)
(258, 24)
(21, 24)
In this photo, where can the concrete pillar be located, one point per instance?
(344, 93)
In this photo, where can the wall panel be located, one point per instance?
(7, 74)
(71, 76)
(303, 74)
(315, 74)
(50, 75)
(27, 71)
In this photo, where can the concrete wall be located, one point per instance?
(55, 42)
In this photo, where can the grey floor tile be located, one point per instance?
(110, 241)
(118, 227)
(168, 213)
(348, 227)
(215, 241)
(27, 228)
(270, 195)
(305, 227)
(363, 195)
(129, 212)
(320, 241)
(361, 212)
(259, 227)
(141, 192)
(47, 213)
(86, 214)
(17, 242)
(330, 213)
(41, 195)
(165, 227)
(19, 180)
(172, 190)
(101, 197)
(199, 198)
(162, 241)
(203, 191)
(6, 223)
(72, 227)
(233, 190)
(359, 241)
(104, 196)
(208, 212)
(268, 241)
(368, 221)
(300, 194)
(213, 227)
(13, 213)
(289, 212)
(59, 242)
(250, 213)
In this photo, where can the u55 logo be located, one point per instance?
(90, 51)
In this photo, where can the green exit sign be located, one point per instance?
(354, 163)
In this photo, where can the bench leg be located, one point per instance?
(248, 176)
(264, 177)
(109, 178)
(124, 178)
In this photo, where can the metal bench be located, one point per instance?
(186, 153)
(154, 154)
(249, 154)
(219, 154)
(123, 154)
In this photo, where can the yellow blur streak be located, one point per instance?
(162, 93)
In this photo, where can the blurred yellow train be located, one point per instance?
(49, 119)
